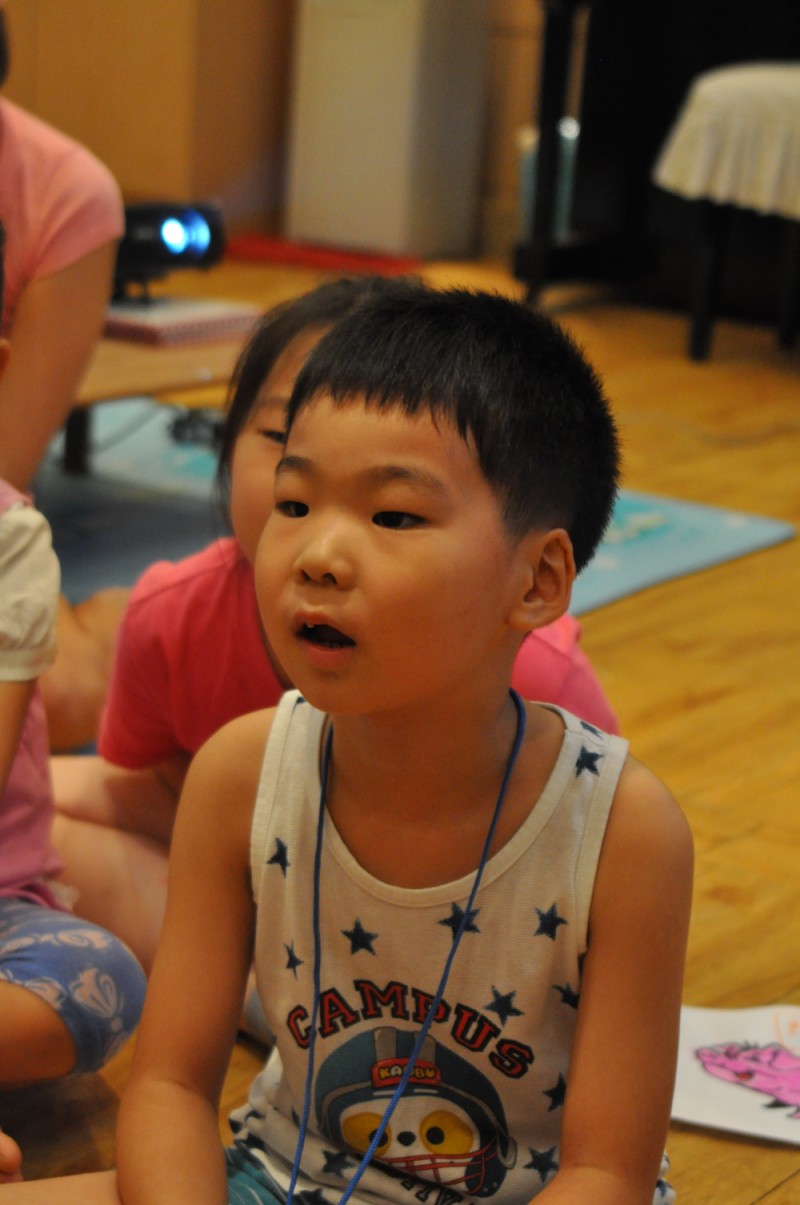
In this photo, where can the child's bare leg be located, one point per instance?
(138, 801)
(95, 1188)
(35, 1043)
(121, 879)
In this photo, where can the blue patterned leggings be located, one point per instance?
(89, 977)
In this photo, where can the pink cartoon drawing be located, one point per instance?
(771, 1069)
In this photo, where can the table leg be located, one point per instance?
(77, 433)
(532, 257)
(790, 301)
(709, 265)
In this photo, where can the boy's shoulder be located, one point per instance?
(555, 732)
(647, 828)
(235, 754)
(245, 736)
(641, 813)
(641, 789)
(224, 775)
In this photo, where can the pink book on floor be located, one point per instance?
(170, 320)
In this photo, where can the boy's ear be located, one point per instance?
(548, 574)
(5, 349)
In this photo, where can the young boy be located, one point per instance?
(478, 902)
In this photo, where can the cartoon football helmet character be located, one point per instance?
(448, 1127)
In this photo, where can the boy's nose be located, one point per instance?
(325, 560)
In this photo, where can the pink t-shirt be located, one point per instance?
(29, 581)
(551, 667)
(190, 657)
(57, 202)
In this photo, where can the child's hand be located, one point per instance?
(10, 1160)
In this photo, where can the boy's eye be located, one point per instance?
(397, 520)
(292, 510)
(277, 437)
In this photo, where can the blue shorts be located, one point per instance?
(87, 975)
(248, 1182)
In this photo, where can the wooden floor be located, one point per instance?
(704, 672)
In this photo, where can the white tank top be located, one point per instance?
(482, 1112)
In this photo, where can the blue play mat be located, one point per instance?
(653, 539)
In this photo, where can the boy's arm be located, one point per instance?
(169, 1146)
(622, 1069)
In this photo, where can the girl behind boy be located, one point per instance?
(191, 652)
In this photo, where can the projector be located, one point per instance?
(160, 238)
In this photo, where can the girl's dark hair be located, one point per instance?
(509, 379)
(322, 307)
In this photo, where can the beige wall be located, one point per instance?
(187, 99)
(183, 99)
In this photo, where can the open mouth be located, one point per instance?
(325, 636)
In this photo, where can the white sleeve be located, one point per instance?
(29, 586)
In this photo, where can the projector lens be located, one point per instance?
(193, 234)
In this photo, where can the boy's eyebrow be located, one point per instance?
(383, 474)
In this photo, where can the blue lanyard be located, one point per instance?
(400, 1089)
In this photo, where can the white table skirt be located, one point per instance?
(737, 140)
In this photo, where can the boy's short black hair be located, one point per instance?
(507, 376)
(320, 307)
